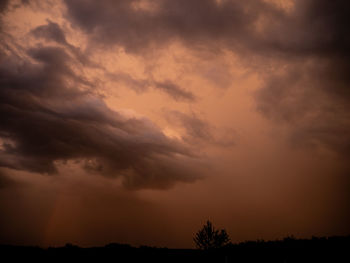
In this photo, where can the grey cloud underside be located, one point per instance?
(310, 44)
(48, 113)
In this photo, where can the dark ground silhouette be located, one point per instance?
(331, 249)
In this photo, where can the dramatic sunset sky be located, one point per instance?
(135, 121)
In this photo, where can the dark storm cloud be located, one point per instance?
(195, 22)
(310, 43)
(312, 92)
(314, 104)
(49, 113)
(315, 28)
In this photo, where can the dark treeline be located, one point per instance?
(331, 249)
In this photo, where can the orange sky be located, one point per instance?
(136, 121)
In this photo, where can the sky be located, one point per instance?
(136, 121)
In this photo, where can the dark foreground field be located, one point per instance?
(332, 249)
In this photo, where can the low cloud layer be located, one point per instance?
(50, 113)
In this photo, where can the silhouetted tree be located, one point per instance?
(208, 237)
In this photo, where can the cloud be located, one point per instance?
(195, 127)
(198, 131)
(51, 113)
(301, 54)
(193, 22)
(51, 31)
(175, 91)
(310, 90)
(142, 85)
(312, 27)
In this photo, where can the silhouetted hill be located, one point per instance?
(331, 249)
